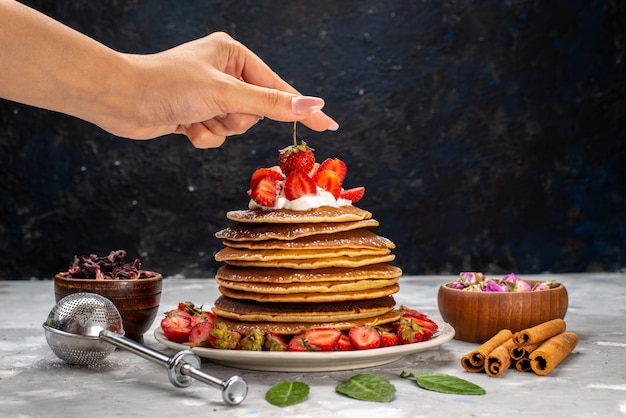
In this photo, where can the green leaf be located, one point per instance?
(368, 387)
(444, 383)
(287, 393)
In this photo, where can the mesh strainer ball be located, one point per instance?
(74, 324)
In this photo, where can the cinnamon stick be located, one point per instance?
(519, 352)
(545, 358)
(539, 332)
(499, 359)
(474, 361)
(523, 364)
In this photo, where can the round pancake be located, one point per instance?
(228, 253)
(245, 310)
(312, 297)
(291, 328)
(285, 216)
(360, 238)
(315, 287)
(280, 275)
(263, 231)
(316, 263)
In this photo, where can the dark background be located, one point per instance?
(489, 136)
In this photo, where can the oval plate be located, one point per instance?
(275, 361)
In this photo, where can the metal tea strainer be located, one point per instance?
(84, 328)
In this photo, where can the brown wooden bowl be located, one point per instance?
(136, 300)
(478, 316)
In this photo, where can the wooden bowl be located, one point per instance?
(478, 316)
(136, 300)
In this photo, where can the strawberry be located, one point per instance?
(298, 184)
(344, 343)
(336, 165)
(297, 343)
(222, 338)
(329, 181)
(274, 342)
(265, 191)
(427, 325)
(364, 337)
(262, 172)
(316, 339)
(296, 157)
(354, 195)
(253, 341)
(200, 333)
(388, 339)
(407, 331)
(176, 326)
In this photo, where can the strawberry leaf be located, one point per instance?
(368, 387)
(444, 383)
(287, 393)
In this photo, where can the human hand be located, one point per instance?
(209, 89)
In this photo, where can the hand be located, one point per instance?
(209, 89)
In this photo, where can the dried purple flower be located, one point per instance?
(494, 286)
(111, 267)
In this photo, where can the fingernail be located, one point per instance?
(333, 126)
(302, 105)
(221, 115)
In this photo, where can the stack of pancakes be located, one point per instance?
(287, 271)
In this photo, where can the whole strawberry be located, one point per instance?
(296, 157)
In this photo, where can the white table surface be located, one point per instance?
(591, 382)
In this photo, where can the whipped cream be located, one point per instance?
(306, 202)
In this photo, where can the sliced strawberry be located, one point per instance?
(344, 343)
(299, 184)
(388, 339)
(266, 191)
(176, 327)
(408, 332)
(329, 181)
(262, 172)
(354, 195)
(336, 165)
(274, 342)
(364, 337)
(314, 170)
(222, 338)
(200, 334)
(322, 339)
(297, 343)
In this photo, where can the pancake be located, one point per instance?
(360, 238)
(228, 254)
(311, 297)
(280, 275)
(291, 328)
(244, 310)
(316, 263)
(303, 287)
(263, 231)
(314, 215)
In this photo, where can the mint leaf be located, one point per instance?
(368, 387)
(444, 383)
(287, 393)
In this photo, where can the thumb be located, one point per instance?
(281, 106)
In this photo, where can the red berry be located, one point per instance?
(274, 342)
(299, 184)
(262, 172)
(316, 339)
(265, 191)
(329, 181)
(176, 326)
(364, 337)
(336, 165)
(388, 339)
(354, 195)
(200, 334)
(296, 157)
(344, 343)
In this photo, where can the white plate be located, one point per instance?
(312, 362)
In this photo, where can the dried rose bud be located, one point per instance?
(511, 277)
(457, 284)
(471, 277)
(521, 286)
(493, 286)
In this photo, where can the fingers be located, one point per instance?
(213, 132)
